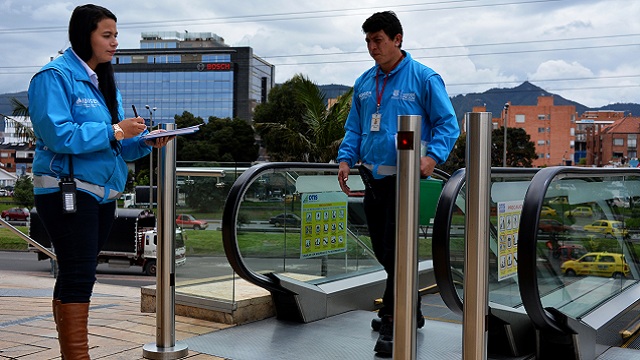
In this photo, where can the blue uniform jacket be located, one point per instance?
(70, 116)
(411, 89)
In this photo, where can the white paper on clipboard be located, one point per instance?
(181, 131)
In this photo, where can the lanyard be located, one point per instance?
(384, 83)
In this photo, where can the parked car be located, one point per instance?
(547, 211)
(597, 264)
(17, 214)
(579, 211)
(188, 221)
(559, 200)
(552, 226)
(569, 252)
(607, 227)
(285, 219)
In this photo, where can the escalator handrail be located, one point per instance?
(527, 237)
(440, 241)
(230, 218)
(442, 225)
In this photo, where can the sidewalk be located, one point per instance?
(117, 328)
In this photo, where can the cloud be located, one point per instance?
(474, 46)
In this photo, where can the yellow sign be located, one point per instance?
(324, 224)
(508, 226)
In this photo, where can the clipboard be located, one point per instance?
(176, 132)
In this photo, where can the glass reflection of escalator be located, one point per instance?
(547, 311)
(509, 328)
(585, 307)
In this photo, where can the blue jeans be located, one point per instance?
(77, 239)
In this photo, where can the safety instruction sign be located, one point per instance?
(508, 226)
(324, 224)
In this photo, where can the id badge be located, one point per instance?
(375, 121)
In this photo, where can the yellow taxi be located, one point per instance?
(580, 211)
(608, 227)
(548, 211)
(597, 264)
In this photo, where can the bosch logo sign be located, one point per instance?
(214, 67)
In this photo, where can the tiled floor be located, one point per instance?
(117, 328)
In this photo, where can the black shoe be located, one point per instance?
(377, 322)
(384, 344)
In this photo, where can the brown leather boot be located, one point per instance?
(72, 320)
(55, 303)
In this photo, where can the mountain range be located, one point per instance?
(494, 99)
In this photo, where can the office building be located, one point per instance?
(196, 72)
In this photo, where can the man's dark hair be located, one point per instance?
(84, 20)
(386, 21)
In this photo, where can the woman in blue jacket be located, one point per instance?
(82, 145)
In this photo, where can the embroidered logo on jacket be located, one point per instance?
(405, 96)
(87, 103)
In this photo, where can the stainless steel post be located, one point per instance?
(165, 346)
(406, 277)
(478, 178)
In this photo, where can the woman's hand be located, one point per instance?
(132, 127)
(159, 142)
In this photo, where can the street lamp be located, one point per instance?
(504, 140)
(151, 111)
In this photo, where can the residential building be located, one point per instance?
(196, 72)
(551, 127)
(612, 143)
(16, 153)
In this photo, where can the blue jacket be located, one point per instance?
(70, 116)
(411, 89)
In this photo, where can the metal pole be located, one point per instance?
(478, 178)
(165, 346)
(504, 139)
(150, 160)
(406, 277)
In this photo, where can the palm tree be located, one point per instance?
(322, 134)
(22, 132)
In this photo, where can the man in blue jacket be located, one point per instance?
(396, 85)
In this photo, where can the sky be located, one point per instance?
(583, 50)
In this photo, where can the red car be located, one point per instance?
(552, 226)
(188, 221)
(17, 214)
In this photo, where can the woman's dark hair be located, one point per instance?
(84, 20)
(386, 21)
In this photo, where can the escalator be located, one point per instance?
(535, 310)
(545, 312)
(594, 314)
(308, 288)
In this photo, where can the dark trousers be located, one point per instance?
(77, 239)
(380, 210)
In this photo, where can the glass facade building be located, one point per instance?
(175, 72)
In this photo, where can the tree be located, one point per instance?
(520, 150)
(457, 156)
(283, 108)
(22, 132)
(220, 140)
(23, 192)
(314, 134)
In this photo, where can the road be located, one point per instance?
(28, 262)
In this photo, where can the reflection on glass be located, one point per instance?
(587, 241)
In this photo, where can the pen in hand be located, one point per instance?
(135, 112)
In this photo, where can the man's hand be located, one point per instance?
(427, 164)
(343, 176)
